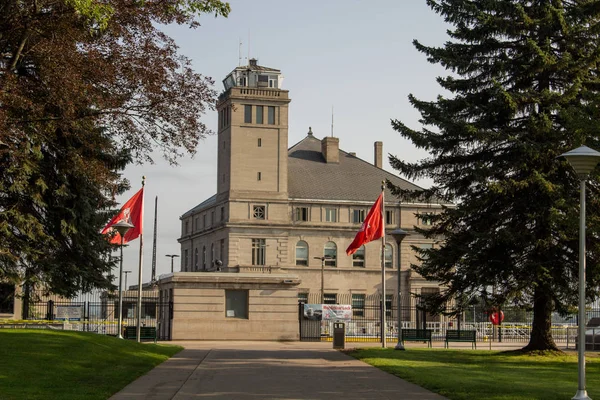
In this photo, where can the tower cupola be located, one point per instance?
(254, 76)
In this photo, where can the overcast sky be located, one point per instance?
(356, 56)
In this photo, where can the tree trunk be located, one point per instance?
(541, 335)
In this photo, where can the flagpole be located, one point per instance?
(139, 299)
(383, 330)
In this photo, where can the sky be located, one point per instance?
(354, 56)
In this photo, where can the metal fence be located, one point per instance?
(100, 316)
(365, 325)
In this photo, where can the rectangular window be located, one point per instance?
(358, 216)
(389, 256)
(259, 142)
(389, 217)
(258, 176)
(303, 297)
(185, 259)
(236, 304)
(330, 298)
(259, 114)
(197, 223)
(301, 213)
(388, 305)
(212, 218)
(258, 212)
(426, 220)
(330, 215)
(227, 116)
(221, 118)
(271, 116)
(222, 250)
(187, 227)
(425, 246)
(204, 221)
(7, 298)
(248, 114)
(222, 213)
(258, 251)
(358, 305)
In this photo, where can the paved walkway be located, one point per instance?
(268, 370)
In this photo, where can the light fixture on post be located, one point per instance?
(583, 160)
(322, 275)
(172, 257)
(122, 227)
(399, 235)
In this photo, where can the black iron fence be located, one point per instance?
(101, 316)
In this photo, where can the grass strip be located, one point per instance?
(45, 364)
(490, 375)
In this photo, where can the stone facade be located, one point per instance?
(286, 208)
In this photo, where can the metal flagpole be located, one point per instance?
(383, 330)
(139, 299)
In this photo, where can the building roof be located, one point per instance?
(352, 179)
(311, 178)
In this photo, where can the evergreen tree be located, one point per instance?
(524, 89)
(86, 87)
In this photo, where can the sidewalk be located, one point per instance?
(268, 370)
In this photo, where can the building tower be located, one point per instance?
(253, 135)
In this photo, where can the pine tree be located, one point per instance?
(523, 89)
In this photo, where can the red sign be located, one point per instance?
(495, 319)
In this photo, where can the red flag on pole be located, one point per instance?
(371, 229)
(132, 212)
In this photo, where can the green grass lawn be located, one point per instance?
(43, 364)
(468, 374)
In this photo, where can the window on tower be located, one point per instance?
(271, 115)
(259, 114)
(248, 114)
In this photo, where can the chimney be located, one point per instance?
(253, 62)
(352, 153)
(378, 161)
(330, 147)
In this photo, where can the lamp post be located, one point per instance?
(126, 273)
(583, 160)
(122, 227)
(322, 275)
(399, 235)
(172, 257)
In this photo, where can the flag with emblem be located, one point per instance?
(372, 228)
(132, 212)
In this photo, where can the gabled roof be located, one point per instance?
(353, 179)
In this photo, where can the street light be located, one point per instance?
(399, 235)
(122, 227)
(172, 257)
(322, 275)
(126, 272)
(583, 160)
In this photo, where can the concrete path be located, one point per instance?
(268, 370)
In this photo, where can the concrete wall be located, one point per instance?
(199, 306)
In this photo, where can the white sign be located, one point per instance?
(230, 313)
(69, 313)
(335, 312)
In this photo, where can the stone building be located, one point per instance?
(281, 209)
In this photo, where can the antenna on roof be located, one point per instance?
(332, 121)
(248, 45)
(240, 53)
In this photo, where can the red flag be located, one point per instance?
(132, 212)
(371, 229)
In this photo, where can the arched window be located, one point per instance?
(204, 257)
(358, 258)
(196, 259)
(389, 256)
(330, 253)
(302, 253)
